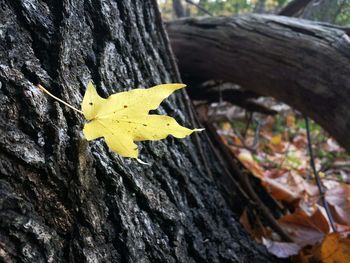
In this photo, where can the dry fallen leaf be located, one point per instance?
(247, 159)
(305, 229)
(339, 199)
(287, 187)
(281, 249)
(335, 249)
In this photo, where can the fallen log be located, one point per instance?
(302, 63)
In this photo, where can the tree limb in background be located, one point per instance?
(199, 7)
(259, 7)
(305, 65)
(294, 7)
(323, 10)
(179, 8)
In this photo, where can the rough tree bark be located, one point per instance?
(63, 199)
(303, 63)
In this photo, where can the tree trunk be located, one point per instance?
(66, 200)
(294, 7)
(303, 63)
(324, 10)
(179, 8)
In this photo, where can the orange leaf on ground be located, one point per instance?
(257, 230)
(276, 147)
(244, 220)
(281, 191)
(305, 229)
(247, 159)
(288, 187)
(339, 199)
(237, 140)
(335, 249)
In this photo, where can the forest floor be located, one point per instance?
(275, 150)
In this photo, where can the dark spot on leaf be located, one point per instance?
(125, 106)
(129, 121)
(135, 149)
(168, 124)
(144, 125)
(91, 104)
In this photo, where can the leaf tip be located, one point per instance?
(178, 85)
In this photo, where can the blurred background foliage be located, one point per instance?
(224, 7)
(332, 11)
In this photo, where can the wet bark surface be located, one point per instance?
(63, 199)
(302, 63)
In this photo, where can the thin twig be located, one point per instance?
(243, 178)
(248, 117)
(221, 153)
(317, 177)
(265, 210)
(255, 142)
(58, 99)
(199, 7)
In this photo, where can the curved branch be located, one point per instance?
(303, 63)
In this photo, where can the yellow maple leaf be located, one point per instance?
(124, 117)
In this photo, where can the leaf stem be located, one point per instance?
(58, 99)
